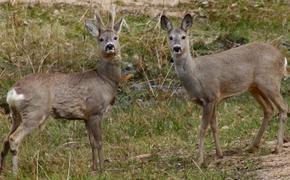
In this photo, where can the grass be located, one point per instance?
(35, 38)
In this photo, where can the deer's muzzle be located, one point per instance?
(110, 48)
(177, 49)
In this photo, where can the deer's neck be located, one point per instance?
(110, 70)
(184, 65)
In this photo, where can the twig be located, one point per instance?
(148, 82)
(69, 166)
(1, 74)
(82, 17)
(42, 61)
(158, 59)
(30, 62)
(159, 19)
(38, 165)
(174, 91)
(37, 157)
(126, 25)
(277, 41)
(142, 156)
(198, 168)
(16, 46)
(115, 169)
(44, 171)
(166, 76)
(27, 55)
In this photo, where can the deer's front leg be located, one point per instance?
(94, 127)
(93, 145)
(215, 132)
(206, 116)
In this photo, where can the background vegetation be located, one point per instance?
(149, 118)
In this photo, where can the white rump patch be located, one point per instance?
(13, 97)
(286, 75)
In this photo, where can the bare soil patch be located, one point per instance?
(149, 7)
(267, 167)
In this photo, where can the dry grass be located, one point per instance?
(150, 133)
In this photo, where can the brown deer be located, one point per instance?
(83, 96)
(255, 67)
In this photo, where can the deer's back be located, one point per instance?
(71, 96)
(253, 56)
(234, 71)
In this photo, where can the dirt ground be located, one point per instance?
(275, 166)
(132, 6)
(105, 3)
(267, 167)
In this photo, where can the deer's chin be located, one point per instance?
(110, 52)
(179, 53)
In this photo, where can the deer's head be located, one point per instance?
(177, 37)
(107, 37)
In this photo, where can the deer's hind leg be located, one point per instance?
(273, 93)
(268, 110)
(283, 109)
(30, 121)
(16, 119)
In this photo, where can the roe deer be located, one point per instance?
(255, 67)
(82, 96)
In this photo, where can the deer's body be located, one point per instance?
(256, 67)
(231, 72)
(83, 96)
(69, 96)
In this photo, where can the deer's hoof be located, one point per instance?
(94, 168)
(94, 173)
(219, 156)
(202, 164)
(252, 149)
(277, 150)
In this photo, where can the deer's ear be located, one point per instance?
(186, 22)
(118, 25)
(93, 30)
(165, 23)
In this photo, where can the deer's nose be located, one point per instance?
(176, 48)
(110, 47)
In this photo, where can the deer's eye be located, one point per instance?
(183, 37)
(101, 39)
(170, 38)
(115, 38)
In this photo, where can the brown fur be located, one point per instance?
(256, 67)
(84, 96)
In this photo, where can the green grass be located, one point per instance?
(36, 38)
(165, 129)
